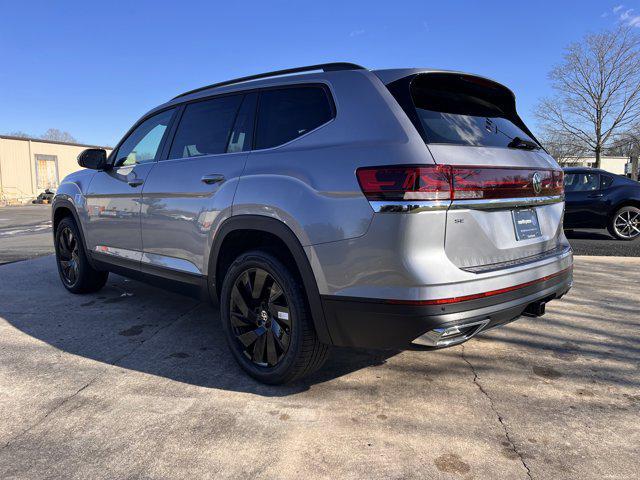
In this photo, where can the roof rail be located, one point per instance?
(325, 67)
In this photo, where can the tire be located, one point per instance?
(76, 273)
(625, 224)
(270, 335)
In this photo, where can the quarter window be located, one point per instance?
(287, 113)
(205, 126)
(605, 181)
(143, 144)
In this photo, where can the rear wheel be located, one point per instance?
(267, 321)
(625, 223)
(77, 275)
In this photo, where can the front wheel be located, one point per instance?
(267, 322)
(76, 273)
(625, 223)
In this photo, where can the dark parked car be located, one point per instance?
(599, 199)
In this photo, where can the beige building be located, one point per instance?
(28, 166)
(610, 164)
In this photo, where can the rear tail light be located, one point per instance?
(446, 182)
(405, 183)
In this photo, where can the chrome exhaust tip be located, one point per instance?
(446, 337)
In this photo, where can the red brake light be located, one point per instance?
(405, 183)
(445, 182)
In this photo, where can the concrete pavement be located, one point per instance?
(135, 382)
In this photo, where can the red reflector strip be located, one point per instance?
(475, 296)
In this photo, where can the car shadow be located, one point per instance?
(139, 327)
(587, 235)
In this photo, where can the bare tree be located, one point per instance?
(597, 90)
(19, 133)
(627, 144)
(561, 146)
(58, 136)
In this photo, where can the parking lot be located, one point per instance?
(137, 382)
(25, 232)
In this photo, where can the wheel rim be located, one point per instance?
(627, 224)
(260, 317)
(68, 256)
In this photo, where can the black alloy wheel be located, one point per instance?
(68, 257)
(260, 317)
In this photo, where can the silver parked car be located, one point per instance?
(327, 205)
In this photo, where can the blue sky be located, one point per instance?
(93, 68)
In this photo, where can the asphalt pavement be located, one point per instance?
(25, 232)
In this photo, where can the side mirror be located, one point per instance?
(93, 158)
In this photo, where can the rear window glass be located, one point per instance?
(287, 113)
(464, 113)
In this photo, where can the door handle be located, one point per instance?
(135, 182)
(212, 179)
(596, 195)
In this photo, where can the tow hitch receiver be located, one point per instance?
(535, 309)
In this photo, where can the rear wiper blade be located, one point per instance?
(518, 142)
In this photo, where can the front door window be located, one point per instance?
(143, 144)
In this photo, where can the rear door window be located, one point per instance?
(287, 113)
(205, 127)
(581, 182)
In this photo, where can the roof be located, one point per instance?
(310, 72)
(586, 169)
(55, 142)
(325, 67)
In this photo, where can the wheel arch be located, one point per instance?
(264, 228)
(627, 202)
(64, 208)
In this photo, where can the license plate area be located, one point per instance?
(525, 223)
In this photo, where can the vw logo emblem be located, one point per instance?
(537, 182)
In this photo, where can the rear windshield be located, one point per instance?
(459, 110)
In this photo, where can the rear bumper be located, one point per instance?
(361, 322)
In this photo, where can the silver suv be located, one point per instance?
(327, 205)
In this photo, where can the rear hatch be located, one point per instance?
(506, 191)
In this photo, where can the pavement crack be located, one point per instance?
(86, 385)
(497, 414)
(46, 415)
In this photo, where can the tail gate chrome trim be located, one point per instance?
(413, 206)
(408, 206)
(502, 203)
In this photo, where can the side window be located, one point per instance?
(205, 126)
(605, 181)
(581, 182)
(242, 134)
(143, 144)
(287, 113)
